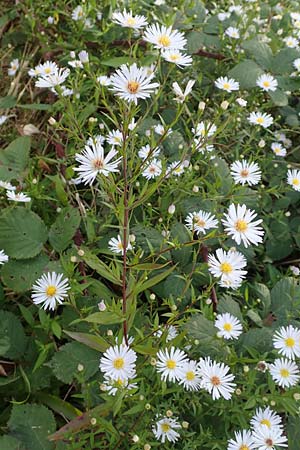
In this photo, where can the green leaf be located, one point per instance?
(180, 234)
(293, 431)
(64, 228)
(10, 443)
(59, 406)
(246, 73)
(86, 113)
(264, 295)
(116, 62)
(21, 274)
(285, 298)
(14, 159)
(101, 268)
(12, 336)
(66, 361)
(92, 341)
(258, 339)
(198, 327)
(142, 286)
(22, 233)
(37, 106)
(283, 61)
(279, 98)
(227, 305)
(105, 318)
(32, 424)
(260, 52)
(7, 102)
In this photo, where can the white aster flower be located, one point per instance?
(291, 42)
(19, 197)
(112, 387)
(265, 438)
(232, 32)
(239, 225)
(76, 64)
(242, 102)
(227, 84)
(176, 168)
(103, 80)
(229, 326)
(164, 429)
(144, 152)
(153, 169)
(200, 221)
(115, 137)
(267, 83)
(176, 57)
(3, 119)
(78, 13)
(295, 270)
(98, 139)
(228, 267)
(180, 95)
(170, 330)
(126, 19)
(116, 245)
(223, 16)
(243, 441)
(293, 179)
(83, 56)
(205, 129)
(118, 363)
(278, 149)
(265, 417)
(160, 129)
(216, 379)
(245, 172)
(164, 37)
(6, 185)
(46, 68)
(287, 341)
(296, 64)
(53, 79)
(262, 119)
(14, 66)
(189, 376)
(3, 257)
(50, 290)
(170, 362)
(131, 83)
(93, 162)
(284, 372)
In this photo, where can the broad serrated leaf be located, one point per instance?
(283, 61)
(257, 339)
(14, 159)
(21, 274)
(246, 73)
(12, 336)
(202, 329)
(22, 233)
(285, 298)
(64, 228)
(260, 52)
(66, 361)
(10, 443)
(32, 424)
(180, 234)
(227, 305)
(279, 98)
(293, 431)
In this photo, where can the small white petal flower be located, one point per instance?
(267, 83)
(291, 42)
(6, 185)
(228, 267)
(205, 129)
(14, 66)
(239, 225)
(278, 149)
(164, 37)
(126, 19)
(293, 179)
(118, 363)
(201, 221)
(227, 84)
(284, 372)
(216, 379)
(189, 376)
(232, 32)
(112, 387)
(92, 162)
(241, 102)
(287, 341)
(78, 13)
(76, 64)
(265, 438)
(46, 68)
(103, 80)
(181, 96)
(176, 57)
(266, 417)
(170, 362)
(170, 330)
(176, 168)
(3, 119)
(296, 64)
(3, 257)
(53, 79)
(159, 129)
(145, 151)
(116, 245)
(245, 172)
(153, 169)
(263, 119)
(19, 197)
(115, 137)
(164, 429)
(83, 56)
(243, 441)
(50, 290)
(229, 326)
(131, 83)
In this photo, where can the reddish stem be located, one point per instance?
(125, 227)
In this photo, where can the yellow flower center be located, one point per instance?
(244, 173)
(174, 57)
(164, 40)
(227, 326)
(277, 150)
(244, 447)
(171, 364)
(190, 375)
(131, 21)
(200, 222)
(98, 163)
(165, 427)
(133, 87)
(47, 70)
(296, 181)
(119, 382)
(266, 83)
(119, 363)
(260, 120)
(290, 342)
(226, 267)
(120, 245)
(266, 422)
(226, 86)
(241, 225)
(215, 381)
(51, 290)
(284, 373)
